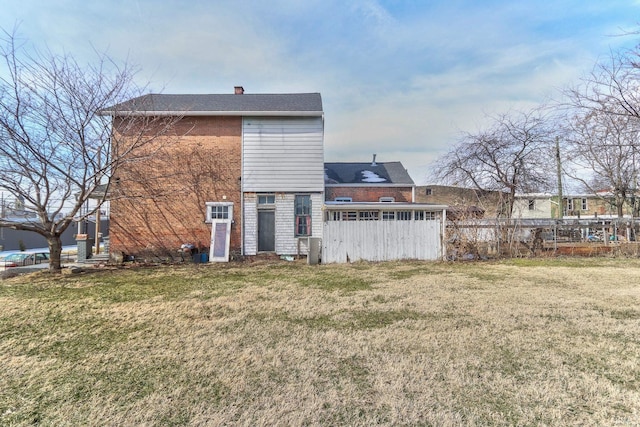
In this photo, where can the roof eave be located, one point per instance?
(212, 113)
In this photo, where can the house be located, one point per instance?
(575, 206)
(368, 182)
(237, 173)
(462, 201)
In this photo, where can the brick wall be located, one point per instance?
(369, 194)
(160, 200)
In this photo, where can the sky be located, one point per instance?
(401, 79)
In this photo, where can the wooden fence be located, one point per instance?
(351, 241)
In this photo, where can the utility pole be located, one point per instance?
(559, 165)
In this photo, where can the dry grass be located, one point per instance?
(523, 342)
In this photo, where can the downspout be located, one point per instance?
(443, 243)
(242, 218)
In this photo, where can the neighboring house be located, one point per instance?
(242, 173)
(575, 206)
(462, 201)
(368, 182)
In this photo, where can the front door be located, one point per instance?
(266, 231)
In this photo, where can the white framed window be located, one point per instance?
(418, 215)
(388, 215)
(387, 199)
(585, 206)
(266, 199)
(343, 199)
(368, 215)
(569, 204)
(404, 215)
(219, 211)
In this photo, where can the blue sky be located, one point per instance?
(398, 78)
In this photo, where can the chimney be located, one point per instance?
(239, 90)
(373, 162)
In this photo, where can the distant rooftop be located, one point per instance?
(239, 103)
(379, 173)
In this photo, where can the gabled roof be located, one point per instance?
(375, 174)
(298, 104)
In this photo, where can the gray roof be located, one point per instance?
(223, 104)
(387, 173)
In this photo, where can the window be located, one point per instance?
(219, 212)
(532, 204)
(266, 199)
(368, 215)
(343, 199)
(349, 216)
(418, 215)
(569, 204)
(428, 192)
(404, 215)
(585, 207)
(388, 215)
(431, 215)
(303, 215)
(387, 199)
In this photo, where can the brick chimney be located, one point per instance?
(239, 90)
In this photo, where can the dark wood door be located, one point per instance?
(266, 231)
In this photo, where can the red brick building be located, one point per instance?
(368, 182)
(227, 162)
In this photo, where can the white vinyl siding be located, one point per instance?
(282, 154)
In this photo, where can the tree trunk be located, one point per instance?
(55, 253)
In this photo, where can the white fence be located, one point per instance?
(350, 241)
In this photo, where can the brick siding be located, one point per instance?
(369, 194)
(159, 202)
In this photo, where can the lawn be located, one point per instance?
(522, 342)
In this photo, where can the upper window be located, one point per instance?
(303, 215)
(387, 199)
(343, 199)
(532, 204)
(569, 204)
(428, 192)
(585, 207)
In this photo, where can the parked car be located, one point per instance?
(20, 259)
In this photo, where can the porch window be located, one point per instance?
(404, 215)
(418, 215)
(388, 215)
(368, 215)
(303, 215)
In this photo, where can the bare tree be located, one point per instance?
(602, 154)
(512, 155)
(602, 129)
(55, 144)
